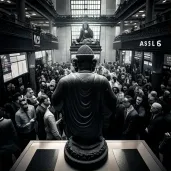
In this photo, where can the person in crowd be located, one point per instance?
(13, 107)
(40, 112)
(165, 101)
(138, 106)
(25, 119)
(165, 150)
(52, 132)
(43, 89)
(9, 143)
(155, 130)
(28, 96)
(130, 128)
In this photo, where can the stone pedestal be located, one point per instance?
(85, 157)
(121, 155)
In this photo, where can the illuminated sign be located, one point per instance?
(150, 43)
(36, 40)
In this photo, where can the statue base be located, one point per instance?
(85, 157)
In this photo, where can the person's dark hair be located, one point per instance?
(15, 96)
(42, 98)
(108, 77)
(130, 99)
(22, 100)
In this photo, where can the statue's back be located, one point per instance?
(83, 102)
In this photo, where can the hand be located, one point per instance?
(32, 120)
(146, 130)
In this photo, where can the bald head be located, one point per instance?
(156, 108)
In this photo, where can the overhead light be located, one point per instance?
(47, 22)
(126, 24)
(130, 21)
(164, 1)
(135, 23)
(143, 15)
(135, 26)
(141, 11)
(2, 0)
(28, 16)
(137, 15)
(9, 2)
(25, 8)
(33, 13)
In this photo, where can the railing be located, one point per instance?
(124, 6)
(158, 27)
(50, 4)
(15, 27)
(48, 37)
(101, 18)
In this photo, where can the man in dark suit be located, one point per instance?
(130, 126)
(156, 128)
(8, 143)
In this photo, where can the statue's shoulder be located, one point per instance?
(101, 78)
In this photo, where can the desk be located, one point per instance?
(147, 155)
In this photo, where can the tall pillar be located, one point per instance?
(50, 27)
(142, 63)
(122, 27)
(149, 10)
(2, 87)
(120, 58)
(21, 10)
(132, 61)
(32, 69)
(157, 67)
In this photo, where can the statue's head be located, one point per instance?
(85, 58)
(85, 26)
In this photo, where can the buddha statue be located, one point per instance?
(86, 35)
(82, 95)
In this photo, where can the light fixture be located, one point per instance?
(33, 13)
(135, 23)
(2, 0)
(141, 11)
(28, 15)
(25, 8)
(137, 15)
(47, 22)
(164, 1)
(9, 2)
(130, 21)
(143, 15)
(135, 26)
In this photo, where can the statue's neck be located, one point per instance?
(84, 71)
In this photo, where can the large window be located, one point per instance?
(76, 31)
(91, 8)
(13, 65)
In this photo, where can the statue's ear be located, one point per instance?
(94, 62)
(75, 64)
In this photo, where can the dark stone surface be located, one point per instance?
(43, 160)
(83, 96)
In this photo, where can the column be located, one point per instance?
(2, 87)
(142, 63)
(157, 67)
(132, 61)
(120, 58)
(122, 27)
(149, 10)
(32, 69)
(50, 27)
(21, 10)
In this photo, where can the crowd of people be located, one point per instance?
(141, 113)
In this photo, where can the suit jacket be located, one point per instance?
(130, 125)
(9, 139)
